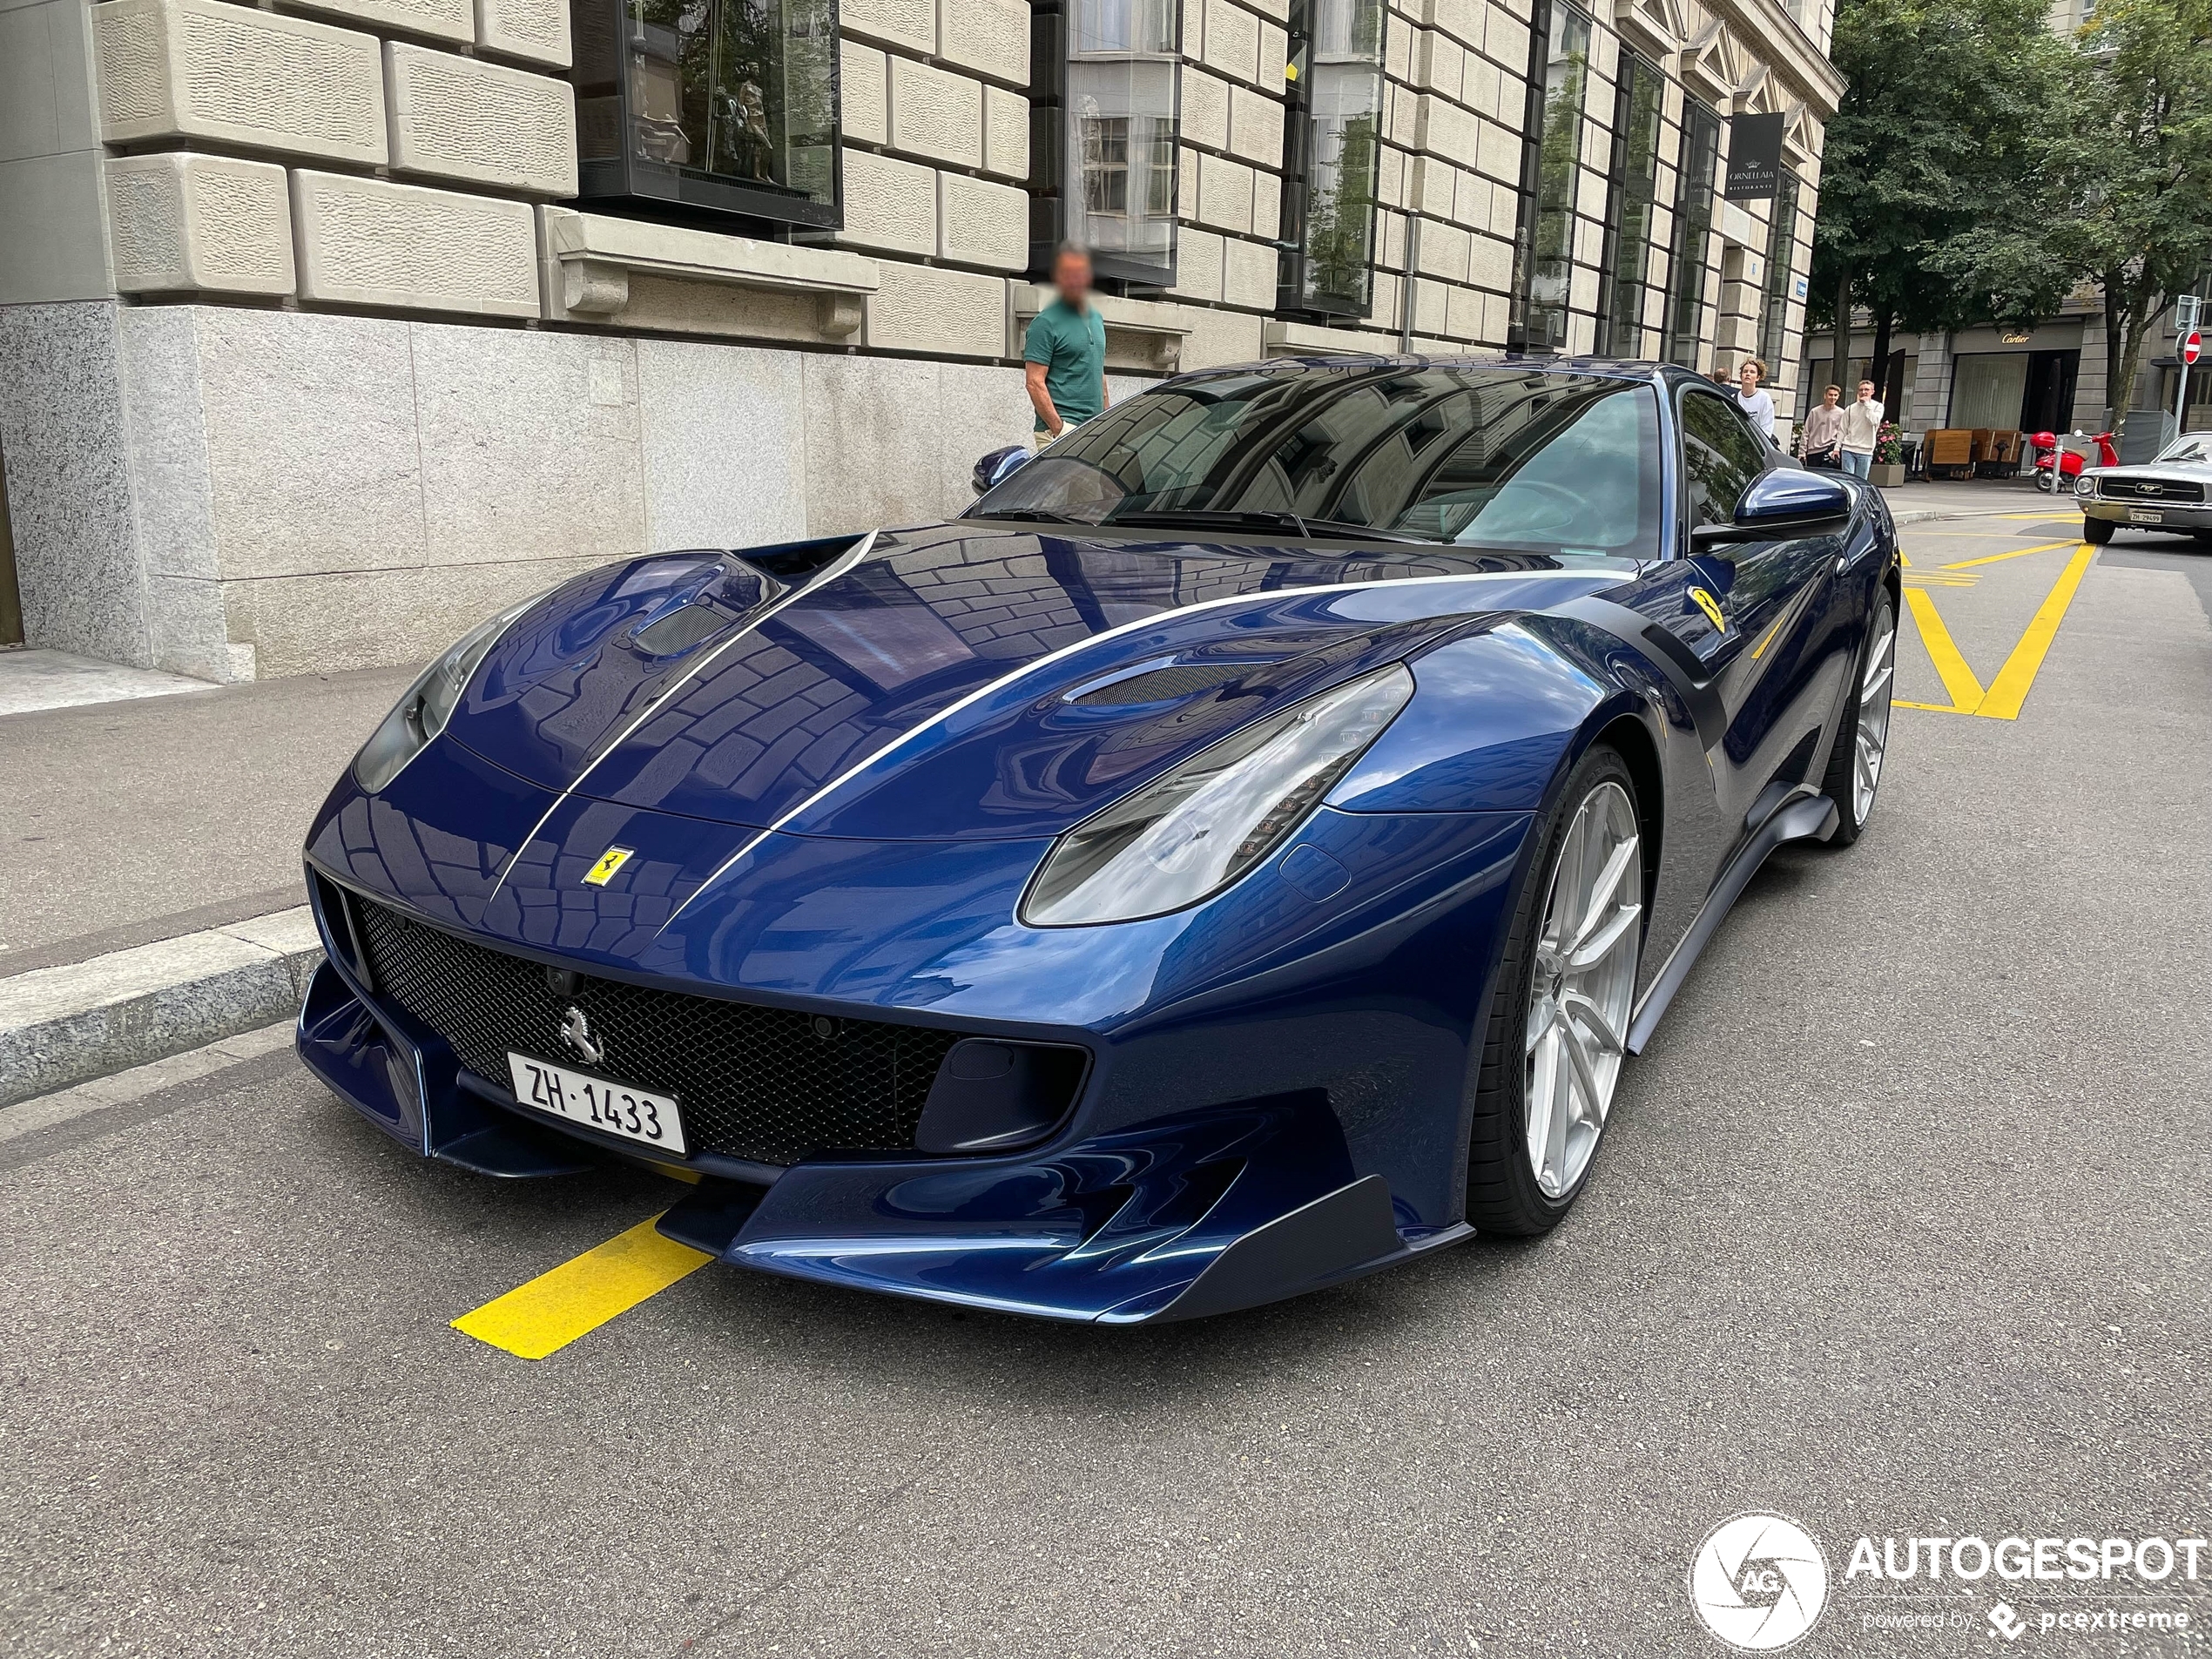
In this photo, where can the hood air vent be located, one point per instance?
(1161, 684)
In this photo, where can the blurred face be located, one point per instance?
(1828, 398)
(1071, 276)
(1865, 391)
(1749, 375)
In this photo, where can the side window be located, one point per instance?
(1720, 457)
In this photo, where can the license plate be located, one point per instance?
(2145, 516)
(611, 1107)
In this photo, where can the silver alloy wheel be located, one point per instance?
(1873, 715)
(1586, 975)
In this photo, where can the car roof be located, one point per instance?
(1607, 368)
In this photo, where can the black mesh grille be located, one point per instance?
(1161, 684)
(769, 1085)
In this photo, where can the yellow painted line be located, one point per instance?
(1957, 679)
(1903, 563)
(581, 1294)
(2017, 553)
(2057, 514)
(1934, 708)
(2009, 690)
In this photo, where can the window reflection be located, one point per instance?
(1701, 142)
(1629, 210)
(1550, 174)
(727, 103)
(1781, 259)
(1328, 213)
(1120, 116)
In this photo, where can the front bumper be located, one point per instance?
(2169, 515)
(1274, 1101)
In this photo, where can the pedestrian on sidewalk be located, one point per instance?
(1757, 407)
(1823, 442)
(1862, 425)
(1065, 350)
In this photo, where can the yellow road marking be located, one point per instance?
(2057, 514)
(1903, 563)
(1934, 708)
(1957, 679)
(2009, 690)
(581, 1294)
(2016, 553)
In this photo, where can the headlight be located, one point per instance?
(421, 713)
(2085, 485)
(1187, 835)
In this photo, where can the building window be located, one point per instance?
(1335, 132)
(1107, 98)
(1550, 168)
(1629, 206)
(1781, 262)
(727, 106)
(1701, 154)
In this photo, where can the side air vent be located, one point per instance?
(1161, 684)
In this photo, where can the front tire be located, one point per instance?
(2096, 531)
(1559, 1017)
(1862, 736)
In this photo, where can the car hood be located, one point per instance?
(965, 681)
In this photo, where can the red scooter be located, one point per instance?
(2057, 467)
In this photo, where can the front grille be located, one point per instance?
(2150, 489)
(773, 1085)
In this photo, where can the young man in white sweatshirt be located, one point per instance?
(1862, 422)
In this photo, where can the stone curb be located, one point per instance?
(66, 1025)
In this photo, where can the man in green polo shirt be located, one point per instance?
(1065, 350)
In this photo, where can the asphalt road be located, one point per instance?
(1900, 1229)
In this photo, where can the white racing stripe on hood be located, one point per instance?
(1177, 614)
(830, 572)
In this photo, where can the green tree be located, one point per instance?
(1948, 110)
(2124, 196)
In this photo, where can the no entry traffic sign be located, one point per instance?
(2192, 343)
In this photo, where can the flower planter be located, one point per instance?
(1887, 474)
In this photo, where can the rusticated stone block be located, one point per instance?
(370, 242)
(461, 117)
(1006, 133)
(535, 30)
(990, 37)
(181, 221)
(439, 19)
(936, 113)
(889, 205)
(911, 23)
(864, 93)
(983, 224)
(200, 68)
(947, 314)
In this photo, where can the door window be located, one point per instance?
(1720, 456)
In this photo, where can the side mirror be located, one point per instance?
(1781, 502)
(997, 466)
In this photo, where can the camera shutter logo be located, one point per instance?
(1758, 1583)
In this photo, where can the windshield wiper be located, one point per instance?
(1034, 515)
(1229, 519)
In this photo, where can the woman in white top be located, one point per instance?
(1757, 407)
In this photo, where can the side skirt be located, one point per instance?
(1806, 818)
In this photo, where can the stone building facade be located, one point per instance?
(327, 326)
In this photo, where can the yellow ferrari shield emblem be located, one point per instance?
(604, 872)
(1711, 607)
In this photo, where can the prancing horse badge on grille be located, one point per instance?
(576, 1031)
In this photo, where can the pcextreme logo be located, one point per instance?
(1758, 1583)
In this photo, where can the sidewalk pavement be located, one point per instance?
(150, 901)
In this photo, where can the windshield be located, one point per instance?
(1491, 457)
(2193, 447)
